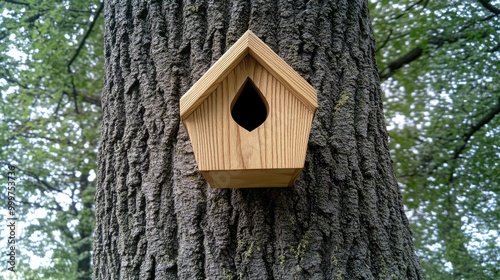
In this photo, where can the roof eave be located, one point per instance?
(249, 43)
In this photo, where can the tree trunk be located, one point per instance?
(156, 216)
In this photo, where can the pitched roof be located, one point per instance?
(248, 44)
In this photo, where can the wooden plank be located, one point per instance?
(212, 78)
(252, 178)
(248, 44)
(220, 143)
(273, 153)
(282, 71)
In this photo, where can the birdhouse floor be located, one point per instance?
(252, 178)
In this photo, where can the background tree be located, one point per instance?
(50, 80)
(157, 218)
(439, 63)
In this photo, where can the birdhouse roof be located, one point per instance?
(248, 44)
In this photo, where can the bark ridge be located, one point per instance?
(156, 217)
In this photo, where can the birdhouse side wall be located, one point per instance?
(219, 143)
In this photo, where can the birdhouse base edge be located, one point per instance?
(251, 178)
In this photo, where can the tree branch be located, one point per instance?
(95, 100)
(37, 205)
(489, 6)
(36, 177)
(417, 52)
(409, 57)
(475, 128)
(12, 81)
(91, 99)
(494, 49)
(408, 9)
(385, 41)
(17, 2)
(87, 34)
(425, 168)
(77, 52)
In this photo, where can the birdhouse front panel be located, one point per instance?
(220, 143)
(249, 118)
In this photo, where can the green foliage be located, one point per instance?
(48, 132)
(440, 103)
(443, 110)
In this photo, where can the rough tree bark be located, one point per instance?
(156, 216)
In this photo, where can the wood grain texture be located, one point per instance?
(252, 178)
(155, 216)
(249, 43)
(219, 143)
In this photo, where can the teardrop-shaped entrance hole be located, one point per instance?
(249, 108)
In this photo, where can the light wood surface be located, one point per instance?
(220, 143)
(248, 44)
(257, 178)
(228, 155)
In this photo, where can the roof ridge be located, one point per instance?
(247, 44)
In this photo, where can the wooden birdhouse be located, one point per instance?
(249, 118)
